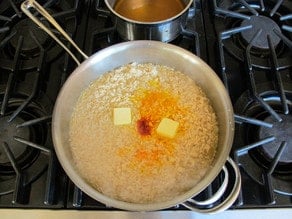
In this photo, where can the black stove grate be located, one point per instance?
(32, 70)
(248, 43)
(254, 52)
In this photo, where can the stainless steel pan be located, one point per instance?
(142, 51)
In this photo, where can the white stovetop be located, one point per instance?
(73, 214)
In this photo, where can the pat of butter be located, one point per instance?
(167, 128)
(122, 116)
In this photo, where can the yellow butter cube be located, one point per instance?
(167, 128)
(122, 116)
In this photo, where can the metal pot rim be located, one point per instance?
(149, 23)
(83, 185)
(112, 57)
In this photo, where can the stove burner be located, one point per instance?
(267, 25)
(247, 25)
(25, 156)
(265, 149)
(282, 131)
(21, 136)
(278, 130)
(29, 47)
(8, 130)
(15, 26)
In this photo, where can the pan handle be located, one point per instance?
(26, 5)
(194, 205)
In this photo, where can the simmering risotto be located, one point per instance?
(133, 162)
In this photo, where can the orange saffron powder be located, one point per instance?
(154, 105)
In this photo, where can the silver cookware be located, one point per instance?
(141, 52)
(165, 30)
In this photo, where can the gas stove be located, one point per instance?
(33, 68)
(247, 43)
(254, 60)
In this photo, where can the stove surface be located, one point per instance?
(247, 43)
(253, 57)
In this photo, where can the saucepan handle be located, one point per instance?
(28, 4)
(195, 205)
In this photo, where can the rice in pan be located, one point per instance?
(133, 162)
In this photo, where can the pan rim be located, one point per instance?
(89, 190)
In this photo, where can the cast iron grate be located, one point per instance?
(32, 70)
(258, 35)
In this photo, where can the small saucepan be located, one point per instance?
(132, 23)
(141, 52)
